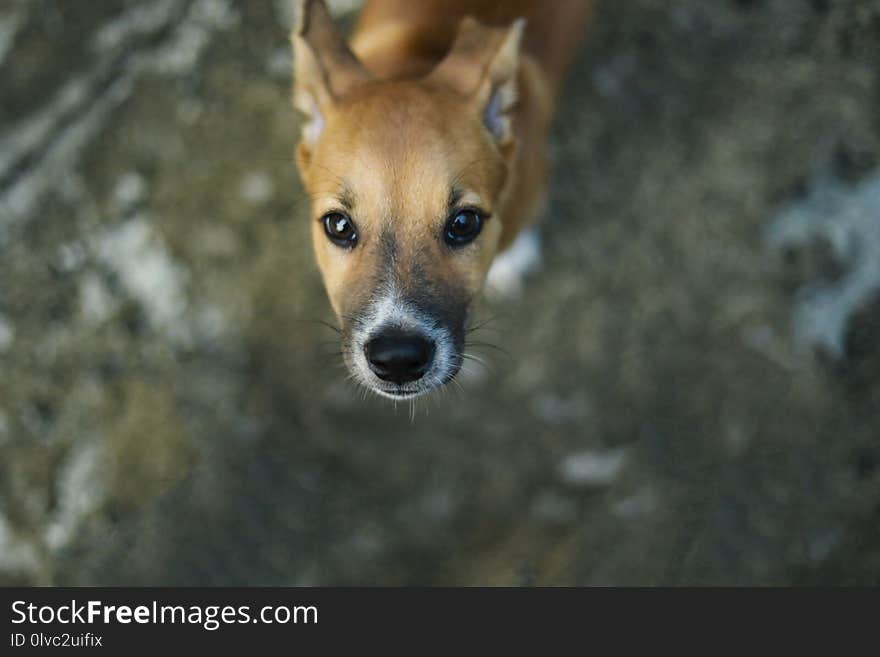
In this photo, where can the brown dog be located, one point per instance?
(423, 152)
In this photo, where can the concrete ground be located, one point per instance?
(691, 388)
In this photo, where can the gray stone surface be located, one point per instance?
(691, 393)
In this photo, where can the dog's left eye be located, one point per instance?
(340, 229)
(463, 227)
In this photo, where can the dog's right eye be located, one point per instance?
(340, 229)
(463, 227)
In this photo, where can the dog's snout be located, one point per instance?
(399, 357)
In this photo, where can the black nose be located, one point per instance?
(399, 357)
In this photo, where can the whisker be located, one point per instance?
(481, 324)
(489, 345)
(488, 368)
(474, 358)
(320, 322)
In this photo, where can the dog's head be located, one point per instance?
(406, 180)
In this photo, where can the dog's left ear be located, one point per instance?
(325, 69)
(483, 65)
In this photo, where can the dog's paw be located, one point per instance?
(509, 269)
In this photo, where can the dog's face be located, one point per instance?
(406, 180)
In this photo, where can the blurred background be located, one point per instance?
(690, 392)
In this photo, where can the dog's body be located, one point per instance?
(424, 156)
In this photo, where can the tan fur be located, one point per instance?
(400, 122)
(392, 187)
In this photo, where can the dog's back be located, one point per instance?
(401, 38)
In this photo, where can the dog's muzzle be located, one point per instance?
(399, 350)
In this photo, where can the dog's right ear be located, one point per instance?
(324, 68)
(483, 66)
